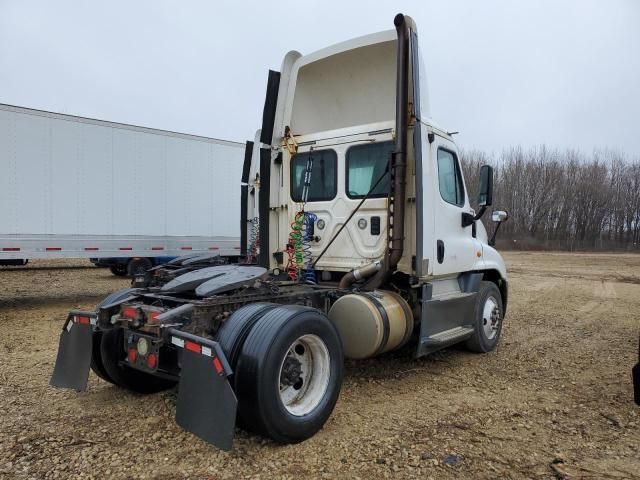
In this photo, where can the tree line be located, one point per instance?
(561, 199)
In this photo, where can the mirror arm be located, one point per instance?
(492, 240)
(480, 213)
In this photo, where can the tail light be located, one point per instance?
(152, 360)
(152, 316)
(129, 312)
(132, 355)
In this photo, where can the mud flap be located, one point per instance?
(206, 402)
(74, 353)
(636, 383)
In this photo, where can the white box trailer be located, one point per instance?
(73, 187)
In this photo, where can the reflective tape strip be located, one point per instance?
(69, 325)
(206, 351)
(218, 366)
(177, 341)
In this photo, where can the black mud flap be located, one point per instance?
(74, 352)
(206, 402)
(636, 383)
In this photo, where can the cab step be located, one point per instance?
(445, 338)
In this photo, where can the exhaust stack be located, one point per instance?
(395, 226)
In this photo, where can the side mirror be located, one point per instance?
(485, 193)
(499, 216)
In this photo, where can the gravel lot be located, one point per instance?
(553, 401)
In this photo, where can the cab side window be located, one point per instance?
(449, 178)
(323, 181)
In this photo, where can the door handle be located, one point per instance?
(440, 251)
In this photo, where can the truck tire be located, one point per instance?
(119, 270)
(289, 374)
(235, 329)
(112, 353)
(138, 266)
(488, 317)
(96, 358)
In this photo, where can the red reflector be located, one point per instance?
(83, 320)
(10, 249)
(91, 249)
(157, 248)
(126, 248)
(214, 248)
(193, 346)
(186, 248)
(53, 249)
(152, 360)
(132, 355)
(129, 312)
(218, 364)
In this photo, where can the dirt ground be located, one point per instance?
(554, 400)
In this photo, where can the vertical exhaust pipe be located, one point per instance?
(395, 245)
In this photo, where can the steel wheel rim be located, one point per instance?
(490, 318)
(304, 374)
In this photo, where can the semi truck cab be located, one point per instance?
(359, 239)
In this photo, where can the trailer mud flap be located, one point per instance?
(74, 352)
(206, 403)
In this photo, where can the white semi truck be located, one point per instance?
(366, 243)
(125, 196)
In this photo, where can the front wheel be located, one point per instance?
(488, 317)
(289, 374)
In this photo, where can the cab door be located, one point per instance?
(455, 249)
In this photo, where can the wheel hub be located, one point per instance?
(491, 318)
(291, 373)
(304, 375)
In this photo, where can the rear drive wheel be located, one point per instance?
(235, 329)
(96, 358)
(289, 373)
(487, 319)
(138, 266)
(112, 352)
(119, 270)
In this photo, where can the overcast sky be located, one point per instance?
(563, 73)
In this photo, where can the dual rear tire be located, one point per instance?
(288, 367)
(108, 352)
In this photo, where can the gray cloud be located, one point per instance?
(564, 73)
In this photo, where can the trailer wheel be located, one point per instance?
(138, 266)
(488, 319)
(96, 358)
(119, 270)
(235, 329)
(289, 374)
(112, 353)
